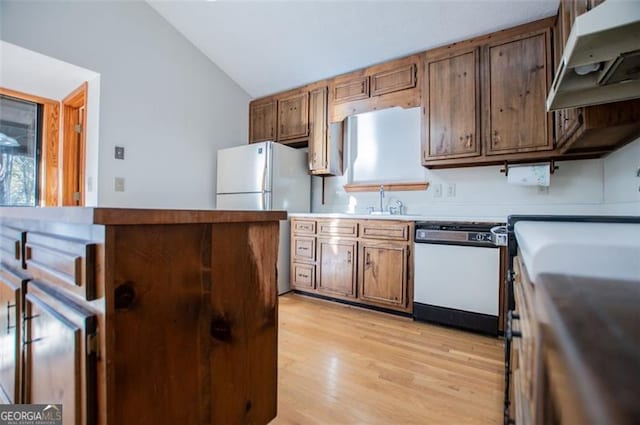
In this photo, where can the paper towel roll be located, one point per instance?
(529, 175)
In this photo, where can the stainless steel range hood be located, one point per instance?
(601, 60)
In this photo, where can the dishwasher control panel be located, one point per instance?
(478, 234)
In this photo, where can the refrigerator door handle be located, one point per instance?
(264, 187)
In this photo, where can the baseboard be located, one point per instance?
(466, 320)
(353, 303)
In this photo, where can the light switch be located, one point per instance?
(119, 184)
(451, 190)
(437, 190)
(119, 152)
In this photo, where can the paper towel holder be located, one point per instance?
(552, 167)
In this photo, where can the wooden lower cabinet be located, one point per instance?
(180, 329)
(11, 287)
(365, 261)
(337, 267)
(60, 354)
(383, 273)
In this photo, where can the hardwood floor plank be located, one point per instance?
(344, 365)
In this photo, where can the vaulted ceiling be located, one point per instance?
(270, 46)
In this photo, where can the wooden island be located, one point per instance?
(144, 317)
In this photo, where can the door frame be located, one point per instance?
(73, 161)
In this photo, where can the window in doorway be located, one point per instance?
(20, 142)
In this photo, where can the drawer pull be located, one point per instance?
(303, 248)
(303, 275)
(9, 307)
(220, 329)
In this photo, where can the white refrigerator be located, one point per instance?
(265, 176)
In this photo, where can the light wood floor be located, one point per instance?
(344, 365)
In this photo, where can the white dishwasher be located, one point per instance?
(457, 275)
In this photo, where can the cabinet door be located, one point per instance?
(393, 80)
(337, 267)
(10, 313)
(383, 273)
(352, 89)
(516, 79)
(262, 121)
(293, 116)
(60, 354)
(452, 106)
(568, 121)
(318, 130)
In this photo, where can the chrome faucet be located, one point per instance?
(381, 197)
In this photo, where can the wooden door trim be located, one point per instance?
(26, 96)
(50, 144)
(76, 100)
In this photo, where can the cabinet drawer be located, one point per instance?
(303, 276)
(11, 246)
(69, 263)
(338, 227)
(304, 226)
(304, 249)
(393, 80)
(382, 230)
(354, 89)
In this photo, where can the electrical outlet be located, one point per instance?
(451, 190)
(119, 154)
(437, 190)
(119, 184)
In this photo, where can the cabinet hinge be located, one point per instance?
(77, 128)
(76, 196)
(93, 344)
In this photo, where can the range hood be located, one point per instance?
(601, 60)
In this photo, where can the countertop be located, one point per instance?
(595, 325)
(122, 216)
(404, 217)
(597, 250)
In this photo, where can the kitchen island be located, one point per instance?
(140, 316)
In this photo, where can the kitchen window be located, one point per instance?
(20, 144)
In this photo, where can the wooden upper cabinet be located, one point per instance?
(353, 89)
(451, 95)
(293, 116)
(325, 140)
(517, 74)
(383, 273)
(395, 79)
(262, 121)
(318, 124)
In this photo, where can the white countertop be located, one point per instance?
(598, 250)
(404, 217)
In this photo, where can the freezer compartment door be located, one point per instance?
(244, 201)
(245, 169)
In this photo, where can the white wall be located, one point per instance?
(599, 186)
(163, 100)
(622, 180)
(21, 70)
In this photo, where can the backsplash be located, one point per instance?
(606, 185)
